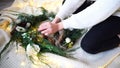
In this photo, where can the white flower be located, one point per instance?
(32, 49)
(28, 25)
(18, 21)
(67, 40)
(20, 29)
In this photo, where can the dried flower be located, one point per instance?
(28, 25)
(32, 49)
(20, 29)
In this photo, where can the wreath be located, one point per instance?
(24, 31)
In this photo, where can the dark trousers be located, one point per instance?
(103, 36)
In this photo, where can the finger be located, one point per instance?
(44, 31)
(42, 27)
(47, 32)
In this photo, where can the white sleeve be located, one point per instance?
(94, 14)
(69, 7)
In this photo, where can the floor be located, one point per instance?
(106, 55)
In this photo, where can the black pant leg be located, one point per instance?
(102, 36)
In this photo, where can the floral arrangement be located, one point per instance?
(24, 31)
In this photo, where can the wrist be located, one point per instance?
(56, 20)
(60, 26)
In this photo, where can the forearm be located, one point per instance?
(69, 7)
(94, 14)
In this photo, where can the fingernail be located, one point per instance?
(42, 32)
(46, 34)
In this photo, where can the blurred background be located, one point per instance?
(5, 3)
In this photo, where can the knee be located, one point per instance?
(89, 47)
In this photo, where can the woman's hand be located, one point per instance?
(56, 20)
(47, 28)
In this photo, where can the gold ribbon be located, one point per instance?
(110, 61)
(4, 24)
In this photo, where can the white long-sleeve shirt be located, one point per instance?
(92, 15)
